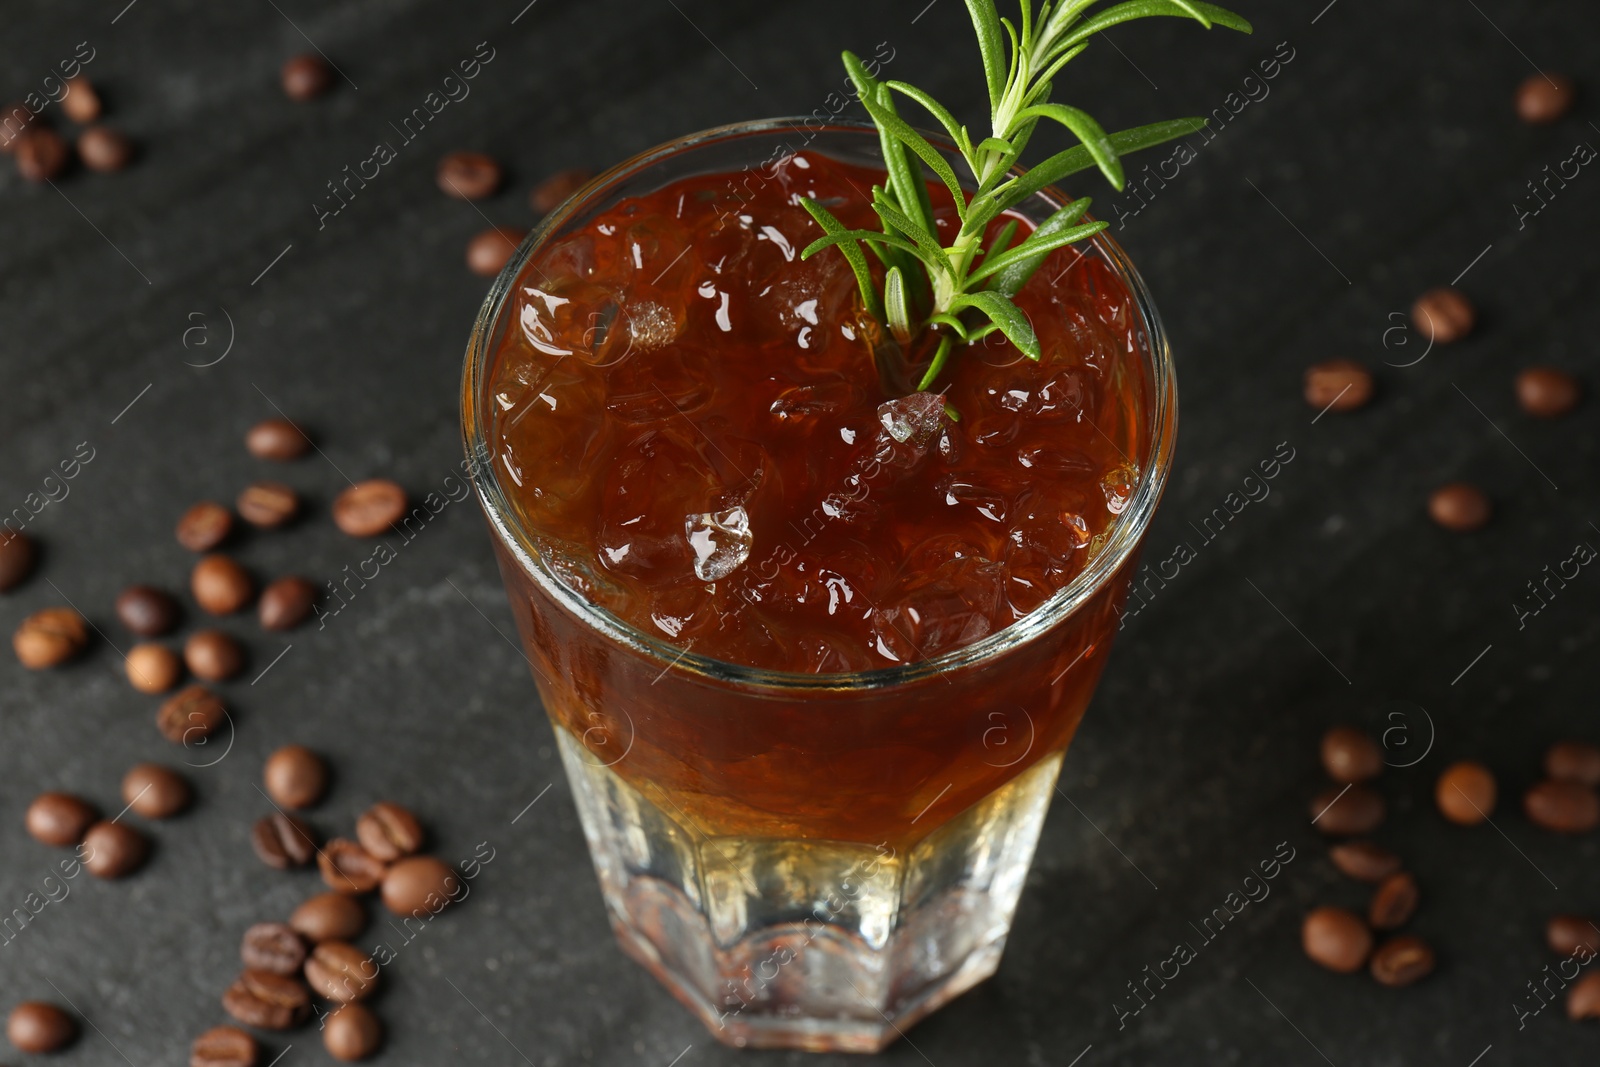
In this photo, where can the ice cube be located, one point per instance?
(721, 541)
(913, 420)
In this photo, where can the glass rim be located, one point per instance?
(1123, 535)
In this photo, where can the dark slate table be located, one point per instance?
(1383, 158)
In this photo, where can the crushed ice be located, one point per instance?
(721, 541)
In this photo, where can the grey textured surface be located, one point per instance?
(1390, 146)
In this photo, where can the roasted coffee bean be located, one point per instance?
(213, 656)
(190, 715)
(155, 792)
(1336, 938)
(1573, 761)
(556, 189)
(1364, 861)
(1583, 999)
(104, 149)
(220, 586)
(492, 249)
(34, 1026)
(283, 841)
(286, 603)
(295, 776)
(1402, 960)
(268, 504)
(420, 886)
(468, 175)
(1565, 807)
(16, 558)
(113, 849)
(224, 1046)
(59, 819)
(1545, 97)
(352, 1033)
(329, 917)
(348, 868)
(146, 611)
(42, 154)
(1394, 901)
(1443, 315)
(340, 972)
(81, 103)
(1338, 385)
(369, 508)
(1547, 393)
(274, 947)
(277, 439)
(1567, 934)
(389, 831)
(1465, 793)
(268, 1001)
(153, 668)
(1359, 810)
(204, 526)
(1350, 755)
(50, 638)
(1459, 506)
(306, 77)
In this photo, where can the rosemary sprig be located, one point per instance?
(963, 291)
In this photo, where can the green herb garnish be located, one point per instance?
(963, 292)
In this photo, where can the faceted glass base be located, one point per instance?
(820, 945)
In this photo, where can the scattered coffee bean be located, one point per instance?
(1566, 934)
(283, 841)
(224, 1046)
(295, 776)
(81, 103)
(41, 153)
(1547, 393)
(1394, 901)
(1359, 810)
(277, 439)
(268, 504)
(274, 947)
(1336, 938)
(1545, 97)
(468, 175)
(146, 611)
(1565, 807)
(556, 189)
(1402, 960)
(1338, 385)
(155, 792)
(268, 1001)
(34, 1026)
(492, 249)
(306, 77)
(213, 656)
(329, 917)
(59, 819)
(1459, 506)
(420, 886)
(340, 972)
(352, 1033)
(153, 668)
(1573, 761)
(1364, 861)
(104, 149)
(1465, 793)
(389, 831)
(16, 558)
(50, 638)
(204, 526)
(348, 868)
(286, 603)
(1350, 755)
(1583, 999)
(113, 849)
(220, 586)
(190, 715)
(1443, 315)
(369, 508)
